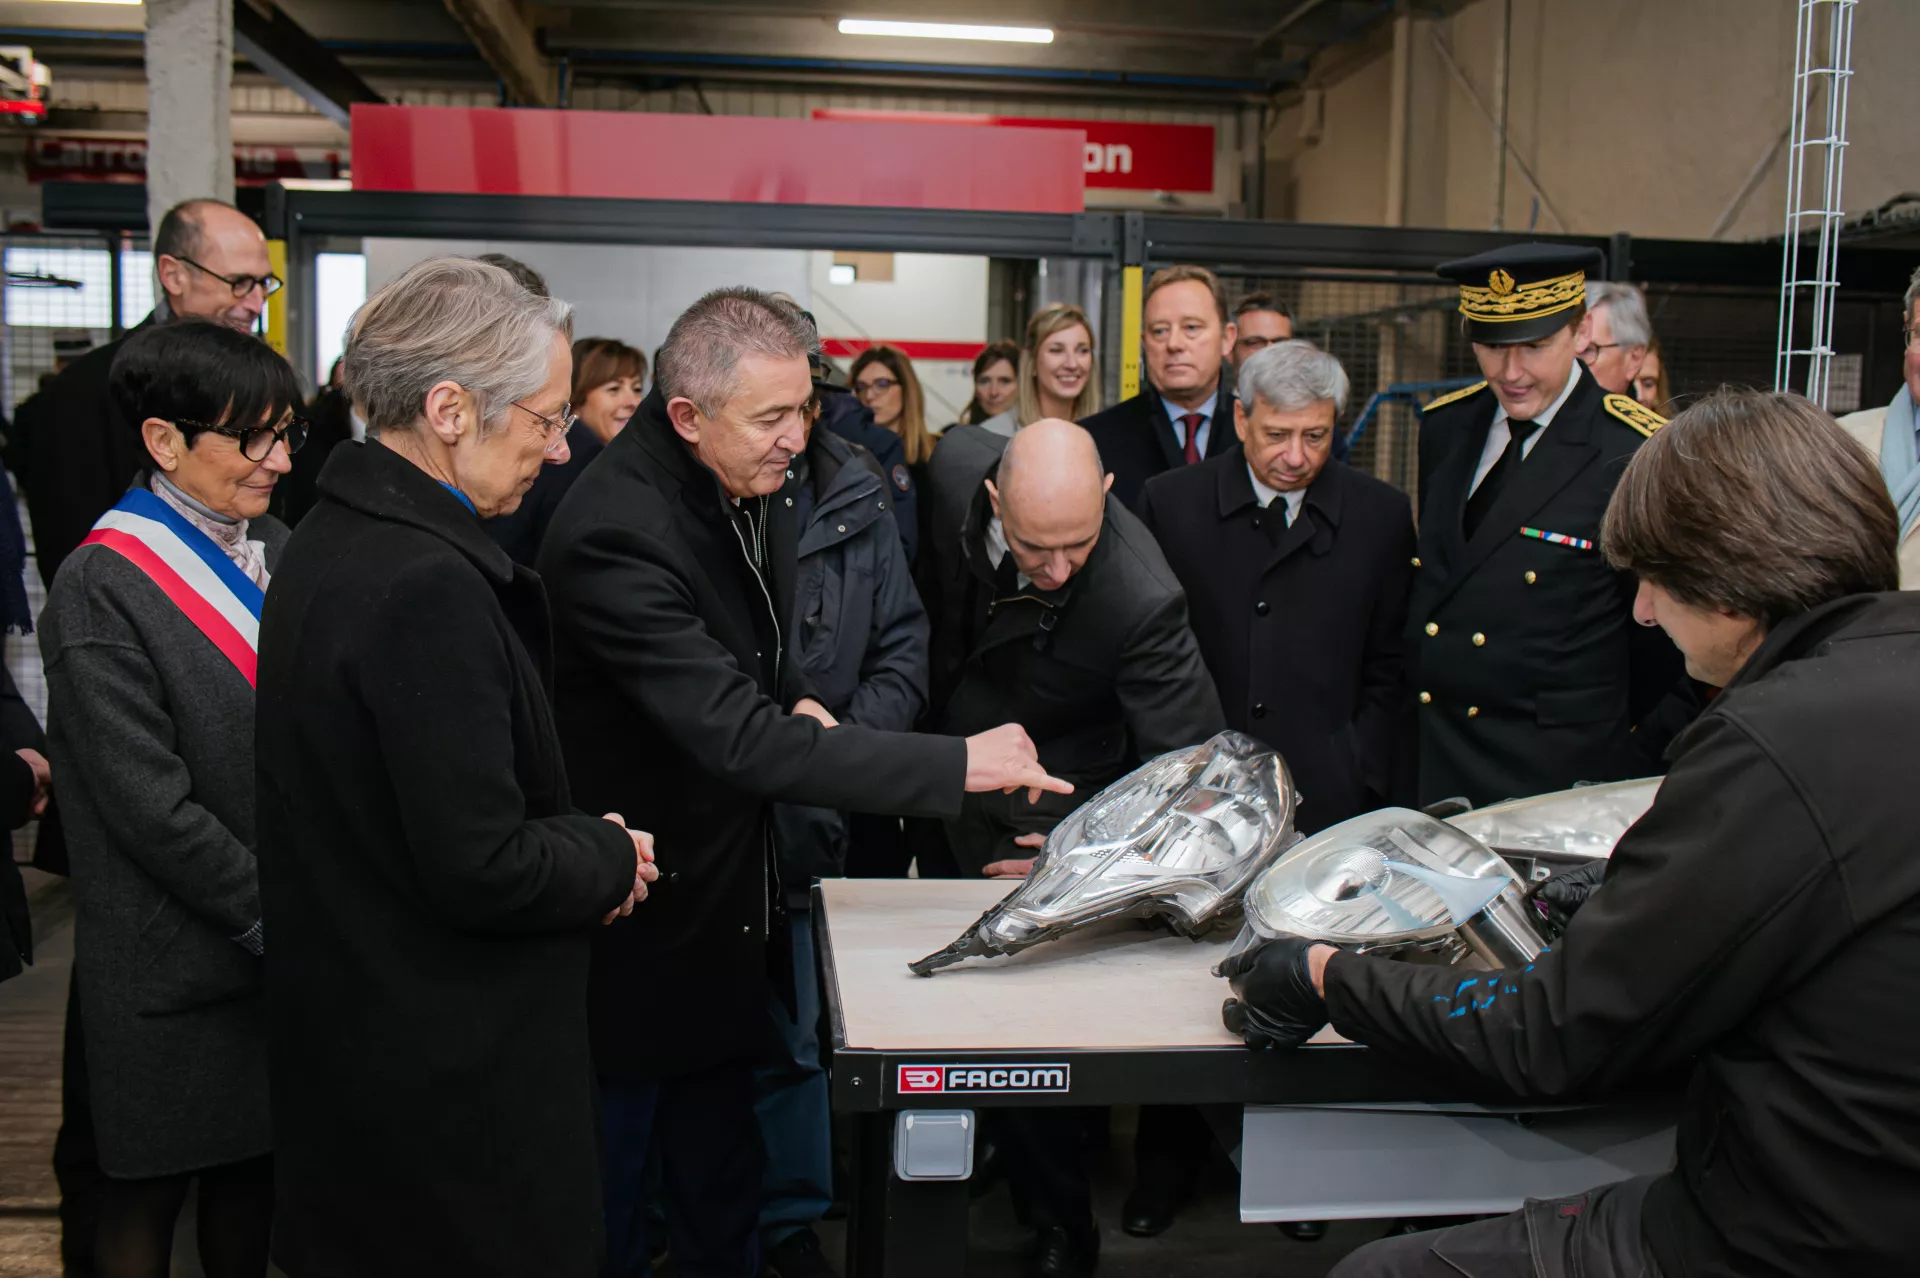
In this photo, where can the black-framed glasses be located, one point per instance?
(268, 284)
(1592, 349)
(556, 427)
(258, 441)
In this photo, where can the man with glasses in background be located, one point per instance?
(76, 457)
(1613, 338)
(1892, 436)
(1260, 320)
(209, 260)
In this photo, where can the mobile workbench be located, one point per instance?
(1119, 1016)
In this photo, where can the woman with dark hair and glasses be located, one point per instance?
(148, 636)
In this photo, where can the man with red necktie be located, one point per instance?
(1187, 338)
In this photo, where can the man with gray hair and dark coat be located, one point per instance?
(1614, 337)
(859, 634)
(1297, 569)
(671, 567)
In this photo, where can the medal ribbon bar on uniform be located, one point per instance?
(222, 602)
(1558, 539)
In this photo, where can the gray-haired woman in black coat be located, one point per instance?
(430, 888)
(148, 641)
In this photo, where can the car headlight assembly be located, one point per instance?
(1177, 839)
(1546, 833)
(1397, 881)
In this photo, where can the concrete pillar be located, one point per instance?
(189, 90)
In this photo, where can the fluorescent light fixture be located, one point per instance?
(128, 2)
(841, 275)
(946, 31)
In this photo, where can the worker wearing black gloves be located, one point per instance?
(1761, 921)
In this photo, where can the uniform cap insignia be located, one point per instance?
(1500, 283)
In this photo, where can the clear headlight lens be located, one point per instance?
(1178, 838)
(1565, 827)
(1396, 878)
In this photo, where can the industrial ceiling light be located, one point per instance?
(946, 31)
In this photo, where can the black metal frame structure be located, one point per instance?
(304, 217)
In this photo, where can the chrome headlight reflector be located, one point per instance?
(1178, 838)
(1397, 879)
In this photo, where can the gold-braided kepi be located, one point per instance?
(1523, 292)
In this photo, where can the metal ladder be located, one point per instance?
(1809, 268)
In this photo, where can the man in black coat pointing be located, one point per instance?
(670, 566)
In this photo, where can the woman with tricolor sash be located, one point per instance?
(149, 637)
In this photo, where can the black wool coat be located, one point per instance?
(1103, 673)
(1304, 636)
(675, 676)
(1529, 671)
(429, 892)
(1137, 439)
(81, 456)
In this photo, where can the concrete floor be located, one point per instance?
(1207, 1240)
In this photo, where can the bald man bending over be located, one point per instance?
(1057, 612)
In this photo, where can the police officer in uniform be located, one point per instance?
(1529, 672)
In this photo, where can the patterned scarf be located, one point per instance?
(228, 533)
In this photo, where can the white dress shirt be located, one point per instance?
(997, 550)
(1499, 435)
(1265, 495)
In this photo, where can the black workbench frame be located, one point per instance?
(918, 1229)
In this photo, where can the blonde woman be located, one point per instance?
(1056, 370)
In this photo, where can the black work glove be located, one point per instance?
(1559, 897)
(1274, 1004)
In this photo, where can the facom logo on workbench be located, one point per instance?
(923, 1080)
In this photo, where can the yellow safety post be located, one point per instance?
(1130, 286)
(277, 304)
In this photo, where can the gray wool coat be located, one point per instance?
(150, 734)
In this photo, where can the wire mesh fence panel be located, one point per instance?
(1397, 339)
(58, 302)
(1711, 338)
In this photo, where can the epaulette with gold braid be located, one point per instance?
(1453, 397)
(1635, 414)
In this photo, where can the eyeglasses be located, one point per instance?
(878, 386)
(1592, 349)
(268, 284)
(258, 441)
(1251, 343)
(555, 427)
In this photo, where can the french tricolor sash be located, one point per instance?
(219, 599)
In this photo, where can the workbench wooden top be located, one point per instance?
(1120, 987)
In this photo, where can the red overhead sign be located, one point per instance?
(1117, 155)
(633, 154)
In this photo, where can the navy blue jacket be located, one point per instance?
(853, 421)
(858, 631)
